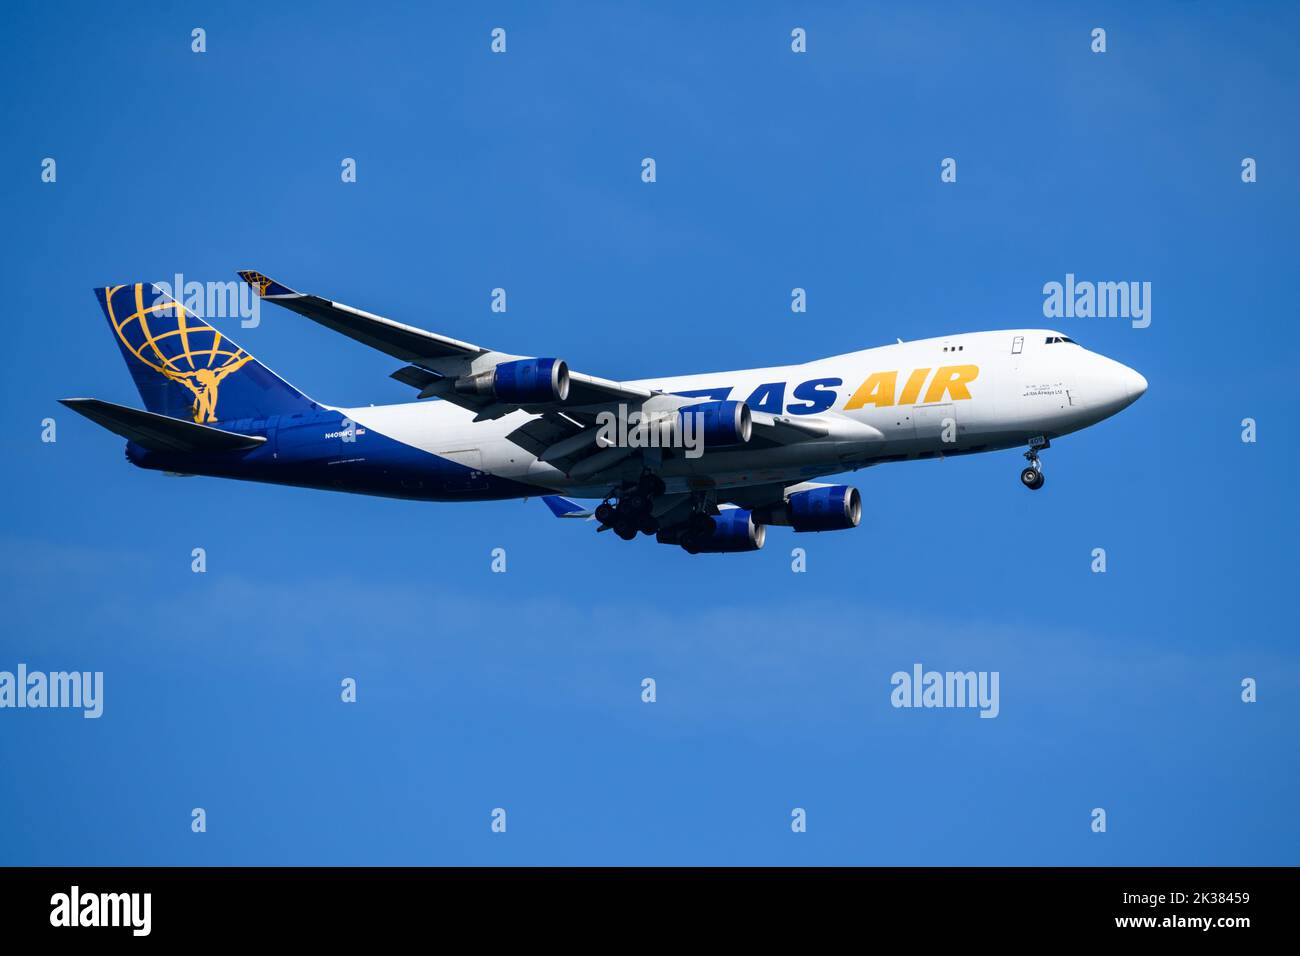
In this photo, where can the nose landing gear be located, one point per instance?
(1032, 477)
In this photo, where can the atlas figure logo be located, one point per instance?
(193, 355)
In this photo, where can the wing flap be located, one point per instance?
(416, 377)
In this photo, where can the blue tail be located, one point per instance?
(185, 368)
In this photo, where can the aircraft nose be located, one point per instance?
(1135, 383)
(1115, 385)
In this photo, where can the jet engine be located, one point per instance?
(523, 382)
(731, 530)
(719, 423)
(835, 508)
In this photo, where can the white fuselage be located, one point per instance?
(958, 394)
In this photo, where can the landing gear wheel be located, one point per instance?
(1032, 477)
(605, 513)
(624, 527)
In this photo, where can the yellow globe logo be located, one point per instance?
(174, 343)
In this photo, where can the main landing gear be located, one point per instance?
(698, 527)
(633, 512)
(1032, 477)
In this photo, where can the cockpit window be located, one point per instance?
(1052, 339)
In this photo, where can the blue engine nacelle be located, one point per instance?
(733, 530)
(836, 508)
(523, 382)
(718, 423)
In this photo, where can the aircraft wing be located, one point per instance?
(436, 360)
(563, 507)
(673, 511)
(564, 431)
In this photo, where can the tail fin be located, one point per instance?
(184, 367)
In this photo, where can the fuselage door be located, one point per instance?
(464, 471)
(1017, 344)
(930, 422)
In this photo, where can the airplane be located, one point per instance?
(706, 462)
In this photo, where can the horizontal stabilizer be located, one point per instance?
(161, 432)
(563, 507)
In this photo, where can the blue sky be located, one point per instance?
(522, 690)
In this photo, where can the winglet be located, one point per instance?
(562, 507)
(265, 286)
